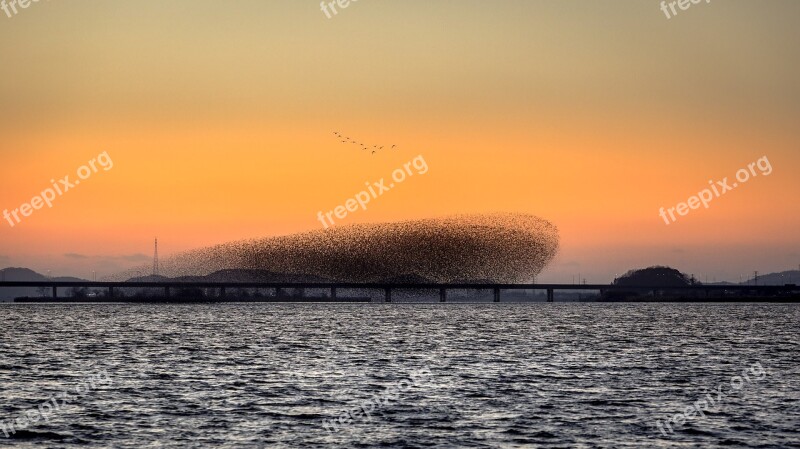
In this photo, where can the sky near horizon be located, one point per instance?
(219, 120)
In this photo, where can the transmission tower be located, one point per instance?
(155, 260)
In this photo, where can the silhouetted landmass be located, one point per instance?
(234, 276)
(781, 278)
(655, 276)
(662, 284)
(26, 275)
(407, 279)
(473, 281)
(665, 278)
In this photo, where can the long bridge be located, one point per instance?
(790, 291)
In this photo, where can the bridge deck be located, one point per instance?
(387, 288)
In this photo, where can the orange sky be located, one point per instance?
(219, 122)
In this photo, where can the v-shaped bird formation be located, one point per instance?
(374, 149)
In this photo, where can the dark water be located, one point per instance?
(267, 375)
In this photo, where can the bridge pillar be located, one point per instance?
(388, 292)
(55, 292)
(551, 297)
(497, 295)
(333, 292)
(442, 295)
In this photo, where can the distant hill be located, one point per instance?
(782, 278)
(236, 276)
(408, 279)
(473, 281)
(666, 278)
(652, 276)
(656, 276)
(26, 275)
(149, 278)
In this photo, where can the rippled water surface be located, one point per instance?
(507, 375)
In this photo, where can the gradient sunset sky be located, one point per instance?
(219, 116)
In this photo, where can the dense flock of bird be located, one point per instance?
(364, 147)
(505, 248)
